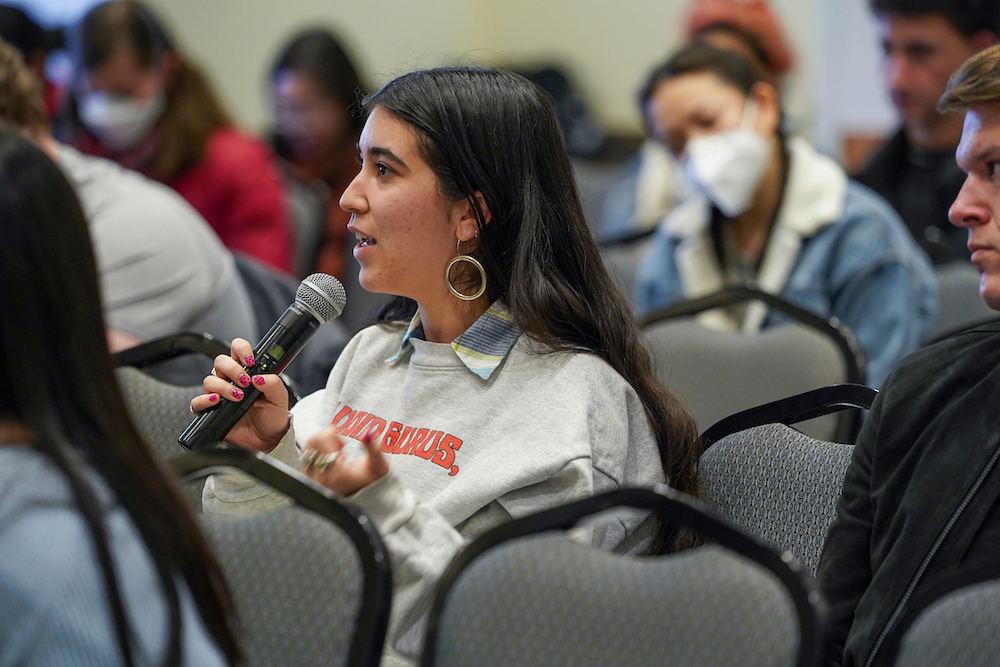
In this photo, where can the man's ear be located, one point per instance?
(983, 39)
(467, 225)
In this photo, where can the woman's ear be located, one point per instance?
(467, 225)
(170, 64)
(768, 107)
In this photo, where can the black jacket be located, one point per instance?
(921, 195)
(920, 490)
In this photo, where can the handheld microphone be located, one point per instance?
(319, 298)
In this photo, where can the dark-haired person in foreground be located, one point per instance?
(924, 41)
(483, 394)
(920, 496)
(101, 559)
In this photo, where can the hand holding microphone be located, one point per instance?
(239, 380)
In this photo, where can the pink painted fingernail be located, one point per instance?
(244, 379)
(237, 393)
(213, 398)
(258, 380)
(249, 360)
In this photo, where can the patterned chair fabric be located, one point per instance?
(296, 580)
(160, 410)
(545, 600)
(960, 628)
(778, 484)
(719, 373)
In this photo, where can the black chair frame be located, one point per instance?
(933, 592)
(177, 345)
(807, 405)
(169, 347)
(373, 616)
(840, 334)
(624, 240)
(682, 511)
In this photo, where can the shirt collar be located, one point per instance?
(482, 347)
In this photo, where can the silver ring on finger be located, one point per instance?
(326, 460)
(307, 458)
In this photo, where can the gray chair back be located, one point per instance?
(524, 595)
(959, 303)
(296, 582)
(622, 259)
(719, 373)
(310, 581)
(778, 484)
(959, 628)
(159, 410)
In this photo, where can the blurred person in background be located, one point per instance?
(137, 100)
(653, 184)
(162, 269)
(35, 44)
(924, 42)
(315, 90)
(919, 500)
(102, 561)
(772, 211)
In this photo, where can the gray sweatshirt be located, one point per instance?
(478, 432)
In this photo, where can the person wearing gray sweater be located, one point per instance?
(508, 375)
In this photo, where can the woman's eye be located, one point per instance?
(993, 168)
(382, 169)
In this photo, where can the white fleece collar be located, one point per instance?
(814, 198)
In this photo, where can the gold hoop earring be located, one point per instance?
(475, 262)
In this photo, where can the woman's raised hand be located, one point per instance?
(321, 460)
(262, 427)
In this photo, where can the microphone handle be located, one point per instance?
(272, 354)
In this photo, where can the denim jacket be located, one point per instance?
(836, 249)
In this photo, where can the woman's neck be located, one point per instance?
(445, 320)
(752, 228)
(14, 432)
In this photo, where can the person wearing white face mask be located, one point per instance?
(772, 211)
(136, 100)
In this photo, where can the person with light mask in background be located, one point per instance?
(653, 183)
(772, 211)
(136, 100)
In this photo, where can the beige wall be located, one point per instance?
(609, 45)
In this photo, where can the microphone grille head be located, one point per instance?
(323, 294)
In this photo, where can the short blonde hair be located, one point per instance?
(977, 81)
(20, 94)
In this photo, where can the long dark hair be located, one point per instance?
(318, 54)
(494, 132)
(56, 379)
(192, 110)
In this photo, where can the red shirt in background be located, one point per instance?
(236, 187)
(238, 190)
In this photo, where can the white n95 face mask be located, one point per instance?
(120, 123)
(728, 166)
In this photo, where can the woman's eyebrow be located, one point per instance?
(384, 152)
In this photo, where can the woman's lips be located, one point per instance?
(365, 241)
